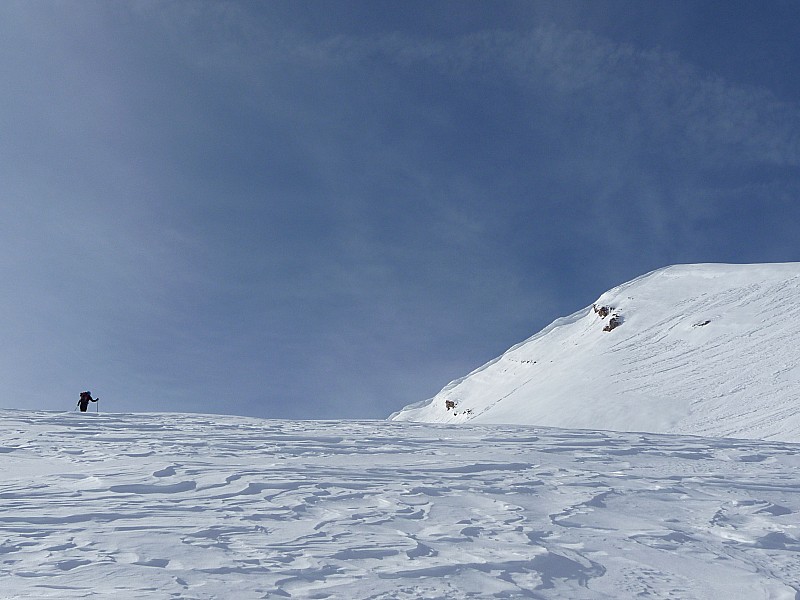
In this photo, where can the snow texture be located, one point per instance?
(698, 349)
(200, 507)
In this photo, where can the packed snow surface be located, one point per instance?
(196, 506)
(697, 349)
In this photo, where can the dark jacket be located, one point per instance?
(86, 397)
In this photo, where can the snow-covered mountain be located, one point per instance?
(705, 349)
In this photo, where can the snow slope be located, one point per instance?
(201, 507)
(704, 349)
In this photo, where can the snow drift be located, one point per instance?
(704, 349)
(207, 507)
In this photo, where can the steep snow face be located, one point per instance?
(697, 349)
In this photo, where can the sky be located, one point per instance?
(323, 210)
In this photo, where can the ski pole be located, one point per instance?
(98, 406)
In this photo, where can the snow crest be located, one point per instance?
(703, 349)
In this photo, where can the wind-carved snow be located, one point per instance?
(201, 507)
(701, 349)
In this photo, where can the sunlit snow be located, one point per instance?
(192, 506)
(700, 349)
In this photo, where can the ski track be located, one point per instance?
(198, 506)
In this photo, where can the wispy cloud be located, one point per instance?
(659, 92)
(630, 119)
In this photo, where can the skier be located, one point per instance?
(86, 397)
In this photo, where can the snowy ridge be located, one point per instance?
(694, 349)
(203, 507)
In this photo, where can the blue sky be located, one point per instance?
(331, 209)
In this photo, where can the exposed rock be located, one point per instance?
(613, 323)
(602, 311)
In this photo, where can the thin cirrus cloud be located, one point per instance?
(619, 108)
